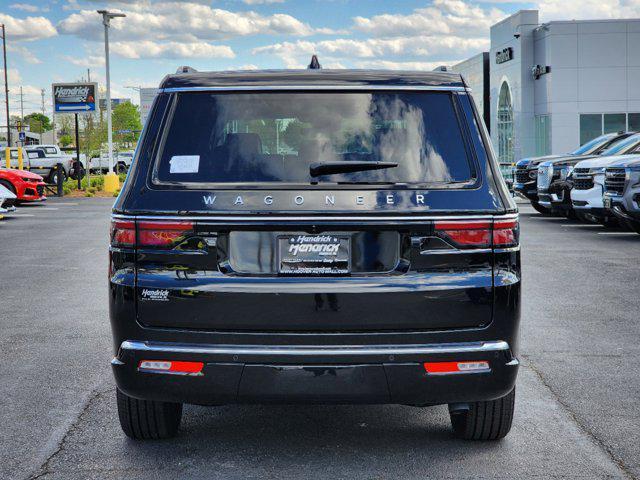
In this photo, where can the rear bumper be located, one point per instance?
(316, 374)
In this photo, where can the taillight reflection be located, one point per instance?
(465, 234)
(479, 234)
(162, 234)
(123, 233)
(150, 234)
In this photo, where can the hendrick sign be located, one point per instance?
(74, 97)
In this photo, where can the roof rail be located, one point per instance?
(186, 69)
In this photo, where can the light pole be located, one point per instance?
(6, 83)
(111, 182)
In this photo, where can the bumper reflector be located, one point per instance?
(165, 366)
(442, 368)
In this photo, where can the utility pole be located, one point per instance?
(6, 83)
(42, 126)
(21, 105)
(111, 181)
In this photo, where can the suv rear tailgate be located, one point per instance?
(401, 276)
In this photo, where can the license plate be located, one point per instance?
(607, 203)
(324, 254)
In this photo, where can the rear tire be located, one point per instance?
(490, 420)
(53, 176)
(635, 226)
(148, 419)
(540, 209)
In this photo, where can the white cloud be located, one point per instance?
(13, 76)
(29, 28)
(150, 49)
(443, 17)
(391, 65)
(248, 66)
(294, 54)
(86, 61)
(182, 22)
(588, 9)
(261, 2)
(25, 7)
(23, 53)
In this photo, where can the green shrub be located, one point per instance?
(116, 193)
(89, 194)
(91, 189)
(98, 182)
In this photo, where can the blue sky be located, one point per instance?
(57, 40)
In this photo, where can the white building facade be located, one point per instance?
(556, 85)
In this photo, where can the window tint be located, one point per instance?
(623, 146)
(275, 137)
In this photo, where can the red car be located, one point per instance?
(28, 187)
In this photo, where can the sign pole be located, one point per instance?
(78, 163)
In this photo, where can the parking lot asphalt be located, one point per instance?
(577, 409)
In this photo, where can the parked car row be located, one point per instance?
(576, 184)
(44, 159)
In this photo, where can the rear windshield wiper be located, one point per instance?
(328, 168)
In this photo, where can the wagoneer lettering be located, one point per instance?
(345, 238)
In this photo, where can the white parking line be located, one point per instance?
(11, 215)
(584, 225)
(548, 218)
(617, 233)
(65, 204)
(44, 208)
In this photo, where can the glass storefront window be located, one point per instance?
(505, 126)
(543, 132)
(590, 126)
(615, 122)
(634, 122)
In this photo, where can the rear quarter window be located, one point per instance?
(266, 138)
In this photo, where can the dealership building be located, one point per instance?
(553, 86)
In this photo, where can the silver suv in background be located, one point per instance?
(622, 192)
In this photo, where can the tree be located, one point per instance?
(65, 140)
(126, 117)
(38, 122)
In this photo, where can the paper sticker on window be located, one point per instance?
(184, 164)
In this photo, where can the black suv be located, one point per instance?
(314, 237)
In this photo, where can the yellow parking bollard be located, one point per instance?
(7, 156)
(20, 163)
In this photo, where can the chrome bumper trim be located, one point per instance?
(313, 218)
(279, 351)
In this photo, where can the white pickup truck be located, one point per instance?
(121, 162)
(43, 160)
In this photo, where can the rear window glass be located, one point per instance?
(314, 138)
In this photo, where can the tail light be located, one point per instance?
(149, 234)
(443, 368)
(166, 366)
(123, 233)
(162, 234)
(479, 234)
(505, 233)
